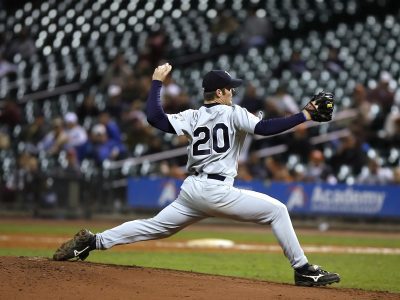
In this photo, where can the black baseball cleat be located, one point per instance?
(313, 275)
(78, 247)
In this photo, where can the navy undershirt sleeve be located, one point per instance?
(277, 125)
(154, 111)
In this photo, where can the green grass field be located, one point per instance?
(364, 271)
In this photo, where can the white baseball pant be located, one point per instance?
(201, 197)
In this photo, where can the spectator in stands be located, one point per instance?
(117, 73)
(396, 176)
(277, 170)
(394, 139)
(77, 135)
(102, 148)
(177, 104)
(34, 132)
(72, 166)
(296, 65)
(69, 169)
(392, 129)
(284, 102)
(382, 99)
(6, 68)
(163, 168)
(333, 64)
(112, 128)
(298, 173)
(361, 124)
(244, 172)
(171, 169)
(375, 174)
(350, 153)
(361, 103)
(382, 94)
(26, 181)
(156, 46)
(3, 40)
(5, 140)
(143, 69)
(271, 109)
(135, 126)
(155, 145)
(255, 166)
(256, 30)
(23, 44)
(8, 195)
(176, 171)
(114, 105)
(170, 90)
(135, 113)
(143, 87)
(55, 140)
(130, 91)
(178, 142)
(10, 114)
(317, 170)
(88, 108)
(225, 23)
(298, 142)
(251, 101)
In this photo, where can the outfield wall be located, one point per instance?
(300, 198)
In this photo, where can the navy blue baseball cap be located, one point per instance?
(219, 79)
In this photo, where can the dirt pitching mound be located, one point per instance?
(41, 278)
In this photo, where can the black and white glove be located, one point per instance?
(321, 107)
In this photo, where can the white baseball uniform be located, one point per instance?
(216, 134)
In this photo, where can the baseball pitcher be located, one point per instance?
(216, 132)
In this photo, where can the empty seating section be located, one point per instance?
(77, 39)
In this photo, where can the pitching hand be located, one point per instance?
(161, 72)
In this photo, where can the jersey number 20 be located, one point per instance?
(220, 127)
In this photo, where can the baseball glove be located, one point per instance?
(321, 107)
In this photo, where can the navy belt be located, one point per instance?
(213, 176)
(216, 177)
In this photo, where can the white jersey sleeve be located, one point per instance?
(181, 121)
(244, 120)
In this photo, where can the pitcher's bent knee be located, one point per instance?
(281, 210)
(273, 213)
